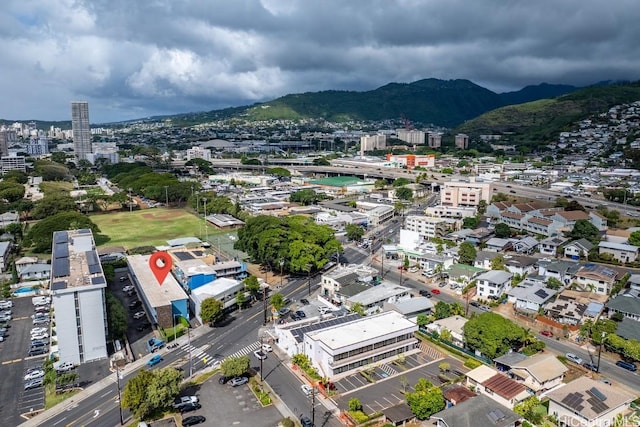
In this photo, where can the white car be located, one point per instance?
(63, 366)
(139, 315)
(306, 389)
(39, 336)
(574, 358)
(127, 288)
(260, 355)
(34, 374)
(266, 347)
(39, 330)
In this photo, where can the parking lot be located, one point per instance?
(14, 363)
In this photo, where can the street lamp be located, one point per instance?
(130, 202)
(264, 304)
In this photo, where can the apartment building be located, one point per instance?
(429, 227)
(434, 140)
(78, 294)
(372, 142)
(465, 193)
(462, 141)
(81, 129)
(412, 136)
(493, 283)
(199, 153)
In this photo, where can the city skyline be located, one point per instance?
(167, 58)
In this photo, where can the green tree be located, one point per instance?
(11, 190)
(470, 222)
(211, 310)
(446, 335)
(163, 388)
(235, 366)
(426, 400)
(400, 182)
(444, 366)
(51, 171)
(404, 193)
(241, 299)
(482, 207)
(354, 404)
(134, 395)
(40, 235)
(277, 301)
(528, 408)
(116, 316)
(52, 204)
(16, 176)
(354, 232)
(358, 308)
(583, 228)
(379, 184)
(252, 285)
(553, 283)
(422, 320)
(497, 263)
(634, 238)
(279, 172)
(304, 197)
(467, 253)
(441, 310)
(502, 230)
(321, 161)
(492, 334)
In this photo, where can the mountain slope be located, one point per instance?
(533, 93)
(542, 120)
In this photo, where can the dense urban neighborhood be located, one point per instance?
(319, 273)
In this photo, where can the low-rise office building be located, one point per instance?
(223, 289)
(339, 350)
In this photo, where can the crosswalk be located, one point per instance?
(390, 370)
(201, 355)
(430, 352)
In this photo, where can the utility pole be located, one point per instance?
(119, 395)
(281, 270)
(261, 371)
(206, 229)
(313, 404)
(130, 202)
(309, 277)
(264, 304)
(600, 350)
(166, 195)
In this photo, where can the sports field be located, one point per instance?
(147, 227)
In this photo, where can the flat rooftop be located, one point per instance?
(363, 329)
(74, 261)
(157, 294)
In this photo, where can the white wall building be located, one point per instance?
(223, 289)
(199, 153)
(77, 290)
(465, 193)
(348, 347)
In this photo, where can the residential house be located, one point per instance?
(499, 387)
(620, 251)
(627, 304)
(496, 244)
(455, 394)
(539, 373)
(530, 298)
(634, 282)
(463, 274)
(9, 218)
(484, 258)
(35, 272)
(578, 249)
(26, 261)
(550, 245)
(453, 324)
(479, 236)
(492, 284)
(410, 307)
(333, 281)
(596, 278)
(566, 309)
(480, 411)
(525, 245)
(373, 298)
(586, 402)
(563, 271)
(520, 265)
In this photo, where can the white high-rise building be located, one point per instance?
(372, 142)
(413, 136)
(78, 294)
(81, 129)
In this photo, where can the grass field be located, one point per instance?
(146, 227)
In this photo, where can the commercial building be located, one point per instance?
(77, 290)
(199, 153)
(162, 301)
(38, 146)
(223, 289)
(429, 227)
(104, 150)
(341, 349)
(434, 140)
(462, 141)
(465, 193)
(13, 162)
(81, 129)
(412, 136)
(410, 161)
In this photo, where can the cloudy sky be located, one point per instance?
(135, 58)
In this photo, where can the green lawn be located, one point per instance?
(147, 227)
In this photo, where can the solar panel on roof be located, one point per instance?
(84, 231)
(61, 250)
(541, 293)
(56, 286)
(597, 393)
(298, 333)
(496, 415)
(98, 280)
(60, 237)
(183, 256)
(60, 267)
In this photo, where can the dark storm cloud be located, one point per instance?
(145, 57)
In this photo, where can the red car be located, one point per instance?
(547, 334)
(435, 291)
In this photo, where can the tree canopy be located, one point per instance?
(634, 238)
(296, 239)
(40, 235)
(583, 228)
(151, 391)
(404, 193)
(305, 197)
(278, 171)
(235, 366)
(211, 310)
(502, 230)
(354, 232)
(492, 334)
(426, 400)
(467, 253)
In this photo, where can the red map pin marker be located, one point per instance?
(160, 264)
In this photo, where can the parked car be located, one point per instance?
(139, 315)
(443, 284)
(38, 330)
(38, 351)
(185, 400)
(40, 320)
(193, 420)
(306, 421)
(304, 301)
(190, 407)
(224, 379)
(591, 366)
(435, 291)
(266, 347)
(39, 343)
(63, 366)
(574, 358)
(238, 381)
(475, 304)
(128, 288)
(154, 360)
(142, 326)
(306, 389)
(294, 317)
(260, 354)
(626, 365)
(284, 311)
(135, 304)
(34, 374)
(39, 336)
(301, 313)
(547, 334)
(34, 383)
(123, 279)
